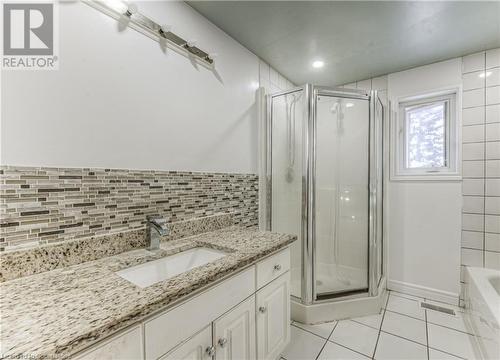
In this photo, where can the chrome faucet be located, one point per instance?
(156, 228)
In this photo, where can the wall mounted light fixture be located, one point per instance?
(118, 9)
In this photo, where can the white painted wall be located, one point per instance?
(118, 101)
(424, 218)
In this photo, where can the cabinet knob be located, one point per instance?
(210, 351)
(222, 342)
(277, 267)
(262, 309)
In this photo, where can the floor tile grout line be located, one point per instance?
(328, 339)
(402, 337)
(427, 335)
(446, 352)
(326, 342)
(348, 348)
(360, 323)
(310, 332)
(399, 313)
(331, 332)
(381, 323)
(450, 328)
(321, 350)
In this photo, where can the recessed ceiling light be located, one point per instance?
(318, 64)
(485, 74)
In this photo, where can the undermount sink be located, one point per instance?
(165, 268)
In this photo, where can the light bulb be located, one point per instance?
(131, 9)
(212, 55)
(165, 28)
(318, 64)
(191, 43)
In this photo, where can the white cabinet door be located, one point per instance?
(273, 318)
(196, 348)
(126, 346)
(234, 333)
(172, 327)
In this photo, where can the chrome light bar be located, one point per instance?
(128, 14)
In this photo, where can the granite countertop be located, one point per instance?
(57, 313)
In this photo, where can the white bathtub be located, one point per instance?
(482, 303)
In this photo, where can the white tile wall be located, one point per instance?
(473, 133)
(473, 80)
(480, 155)
(473, 187)
(493, 95)
(472, 222)
(472, 257)
(492, 224)
(493, 150)
(492, 260)
(481, 160)
(473, 116)
(272, 80)
(473, 204)
(492, 187)
(492, 242)
(472, 239)
(473, 98)
(378, 83)
(492, 168)
(492, 58)
(492, 205)
(493, 132)
(474, 62)
(492, 113)
(473, 169)
(473, 152)
(493, 78)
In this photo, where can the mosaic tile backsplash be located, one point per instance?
(46, 205)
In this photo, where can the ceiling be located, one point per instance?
(357, 39)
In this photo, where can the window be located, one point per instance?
(425, 143)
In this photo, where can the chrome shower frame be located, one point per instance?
(308, 253)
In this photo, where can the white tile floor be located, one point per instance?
(403, 330)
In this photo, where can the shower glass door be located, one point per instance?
(286, 161)
(341, 195)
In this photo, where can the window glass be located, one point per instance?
(426, 135)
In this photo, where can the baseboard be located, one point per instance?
(423, 291)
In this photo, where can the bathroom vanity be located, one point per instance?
(235, 305)
(246, 316)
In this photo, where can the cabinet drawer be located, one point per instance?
(127, 345)
(272, 267)
(172, 327)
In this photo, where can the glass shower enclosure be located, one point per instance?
(324, 184)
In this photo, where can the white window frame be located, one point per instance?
(399, 171)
